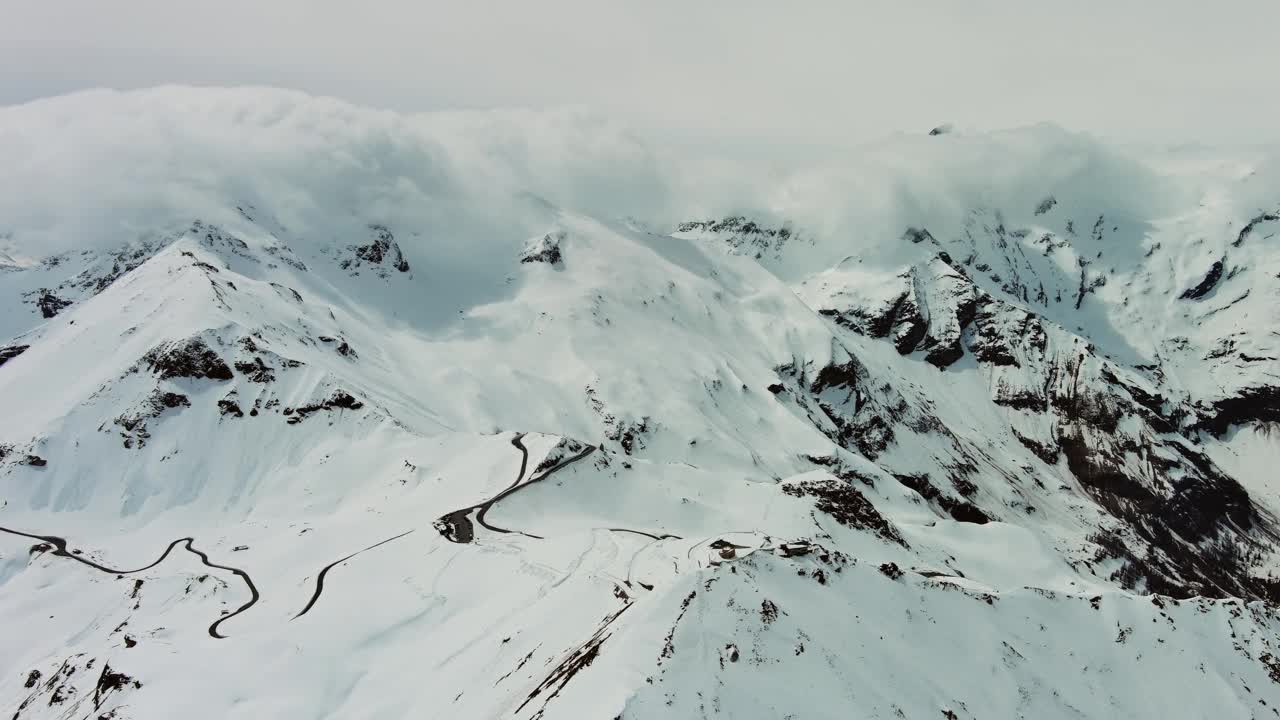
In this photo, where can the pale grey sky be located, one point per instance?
(807, 71)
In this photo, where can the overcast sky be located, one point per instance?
(806, 71)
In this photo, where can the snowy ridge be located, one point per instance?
(436, 447)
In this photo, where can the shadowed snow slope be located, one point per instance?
(478, 416)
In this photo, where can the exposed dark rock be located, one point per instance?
(227, 406)
(1251, 404)
(1046, 205)
(768, 611)
(297, 296)
(842, 501)
(1101, 471)
(1087, 406)
(1019, 398)
(256, 370)
(891, 570)
(835, 403)
(1004, 332)
(837, 375)
(566, 448)
(545, 250)
(135, 424)
(111, 681)
(214, 237)
(170, 399)
(959, 510)
(1150, 404)
(382, 251)
(1199, 505)
(10, 352)
(628, 434)
(776, 388)
(901, 319)
(870, 435)
(1252, 225)
(1044, 451)
(965, 487)
(744, 236)
(945, 349)
(917, 235)
(1209, 281)
(50, 305)
(190, 358)
(339, 400)
(346, 350)
(35, 461)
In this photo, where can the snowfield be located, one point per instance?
(319, 411)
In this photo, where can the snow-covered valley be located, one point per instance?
(317, 411)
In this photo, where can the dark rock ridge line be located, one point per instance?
(1209, 281)
(581, 657)
(60, 549)
(1252, 225)
(339, 400)
(744, 235)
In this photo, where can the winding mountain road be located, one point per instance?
(60, 549)
(324, 571)
(457, 527)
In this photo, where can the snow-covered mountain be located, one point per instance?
(316, 411)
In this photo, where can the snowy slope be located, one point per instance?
(317, 411)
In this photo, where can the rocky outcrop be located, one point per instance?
(545, 249)
(1254, 224)
(1206, 284)
(847, 505)
(1260, 403)
(381, 255)
(9, 352)
(928, 312)
(190, 358)
(50, 304)
(743, 235)
(1121, 438)
(338, 400)
(133, 425)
